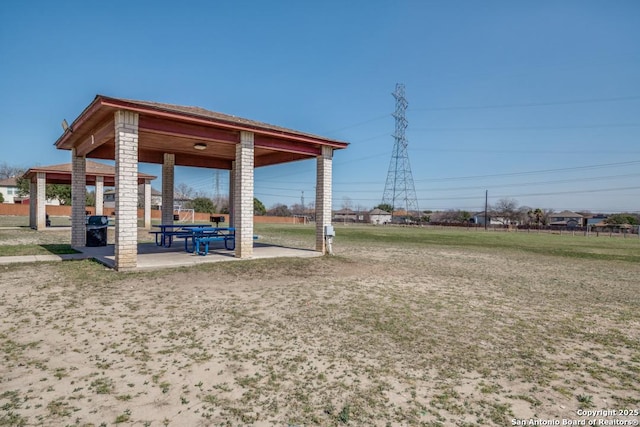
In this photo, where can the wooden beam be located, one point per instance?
(186, 130)
(105, 151)
(96, 138)
(277, 144)
(202, 162)
(182, 159)
(279, 157)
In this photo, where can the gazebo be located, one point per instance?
(97, 174)
(130, 132)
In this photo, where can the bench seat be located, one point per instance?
(229, 243)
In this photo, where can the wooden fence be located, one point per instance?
(9, 209)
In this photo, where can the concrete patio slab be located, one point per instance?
(151, 256)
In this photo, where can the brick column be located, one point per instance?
(167, 188)
(41, 201)
(243, 196)
(323, 195)
(99, 195)
(78, 199)
(33, 196)
(126, 153)
(147, 204)
(232, 180)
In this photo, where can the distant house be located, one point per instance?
(378, 216)
(565, 219)
(345, 215)
(478, 218)
(9, 189)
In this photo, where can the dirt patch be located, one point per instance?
(374, 336)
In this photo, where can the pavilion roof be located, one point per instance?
(181, 130)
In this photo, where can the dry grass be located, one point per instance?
(395, 334)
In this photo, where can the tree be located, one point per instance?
(506, 211)
(90, 198)
(385, 207)
(623, 218)
(297, 209)
(258, 207)
(453, 216)
(546, 213)
(221, 203)
(535, 215)
(183, 191)
(202, 204)
(346, 203)
(279, 210)
(8, 171)
(1, 198)
(23, 186)
(62, 192)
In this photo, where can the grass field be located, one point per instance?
(404, 326)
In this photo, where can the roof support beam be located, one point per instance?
(185, 130)
(185, 160)
(103, 134)
(279, 157)
(288, 146)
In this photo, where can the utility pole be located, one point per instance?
(486, 208)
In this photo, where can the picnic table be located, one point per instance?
(198, 235)
(167, 232)
(202, 236)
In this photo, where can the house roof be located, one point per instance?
(565, 214)
(175, 129)
(378, 211)
(9, 182)
(61, 174)
(346, 211)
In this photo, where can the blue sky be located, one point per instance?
(537, 101)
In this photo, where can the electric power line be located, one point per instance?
(475, 129)
(532, 104)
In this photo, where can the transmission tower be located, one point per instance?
(399, 191)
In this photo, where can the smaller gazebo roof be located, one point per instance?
(61, 174)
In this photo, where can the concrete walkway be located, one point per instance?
(40, 258)
(151, 256)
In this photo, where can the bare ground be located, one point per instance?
(374, 336)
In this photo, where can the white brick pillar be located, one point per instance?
(99, 195)
(243, 196)
(147, 204)
(126, 153)
(232, 181)
(167, 187)
(323, 195)
(32, 204)
(78, 199)
(41, 201)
